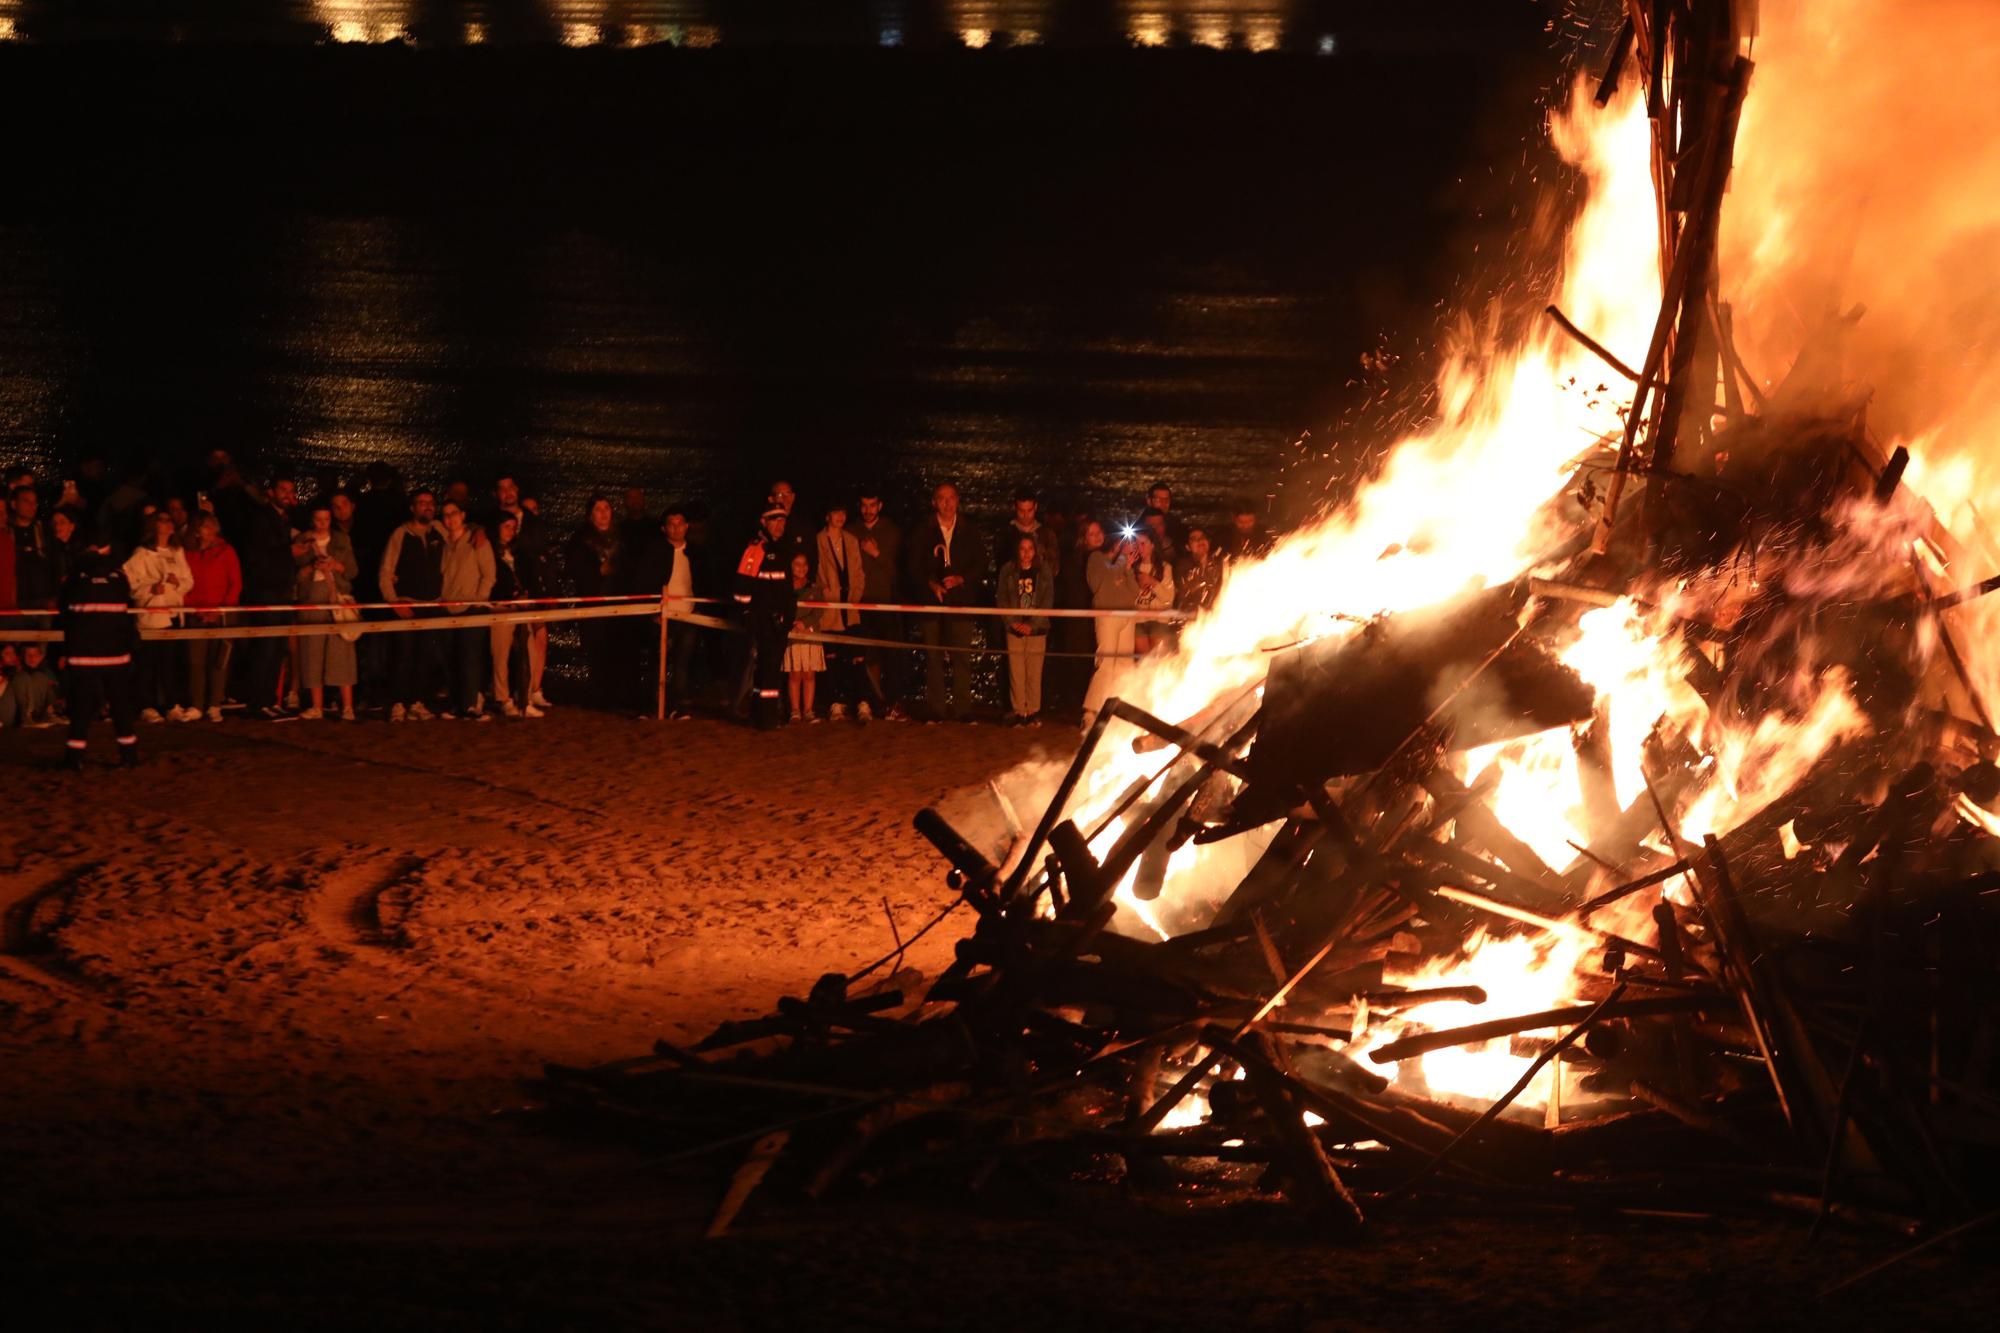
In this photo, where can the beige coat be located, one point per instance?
(831, 588)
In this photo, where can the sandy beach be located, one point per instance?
(268, 1006)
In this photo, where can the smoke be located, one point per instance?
(1868, 173)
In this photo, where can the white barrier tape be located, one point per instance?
(856, 641)
(651, 602)
(649, 598)
(306, 630)
(1014, 613)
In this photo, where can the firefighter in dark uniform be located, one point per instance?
(764, 591)
(99, 635)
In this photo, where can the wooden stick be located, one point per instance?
(1548, 924)
(1647, 881)
(1603, 353)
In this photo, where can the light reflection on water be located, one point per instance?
(990, 25)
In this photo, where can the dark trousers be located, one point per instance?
(948, 632)
(267, 658)
(468, 662)
(889, 663)
(606, 661)
(768, 635)
(160, 663)
(89, 689)
(419, 662)
(680, 663)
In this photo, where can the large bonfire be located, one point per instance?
(1613, 767)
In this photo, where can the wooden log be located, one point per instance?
(1312, 1180)
(1669, 930)
(762, 1157)
(975, 876)
(1407, 1048)
(1614, 64)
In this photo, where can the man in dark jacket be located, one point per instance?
(882, 577)
(764, 591)
(99, 635)
(263, 542)
(947, 564)
(35, 559)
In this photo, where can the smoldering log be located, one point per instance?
(1336, 708)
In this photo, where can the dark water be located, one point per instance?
(694, 246)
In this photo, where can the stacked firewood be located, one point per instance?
(1811, 1033)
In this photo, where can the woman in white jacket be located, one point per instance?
(160, 578)
(841, 579)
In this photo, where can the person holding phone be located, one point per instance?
(1114, 588)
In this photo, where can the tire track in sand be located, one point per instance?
(30, 954)
(345, 906)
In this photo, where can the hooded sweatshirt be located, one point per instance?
(468, 569)
(150, 565)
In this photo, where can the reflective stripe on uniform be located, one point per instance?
(128, 740)
(99, 606)
(77, 745)
(123, 659)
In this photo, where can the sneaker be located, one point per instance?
(419, 713)
(311, 715)
(479, 717)
(508, 708)
(347, 715)
(292, 701)
(398, 713)
(837, 713)
(539, 701)
(863, 713)
(897, 713)
(215, 714)
(446, 715)
(532, 711)
(150, 715)
(680, 715)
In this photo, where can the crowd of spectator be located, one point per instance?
(383, 552)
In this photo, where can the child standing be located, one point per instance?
(803, 661)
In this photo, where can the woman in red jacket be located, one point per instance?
(218, 581)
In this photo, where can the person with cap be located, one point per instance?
(99, 635)
(764, 591)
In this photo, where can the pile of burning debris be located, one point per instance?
(1661, 875)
